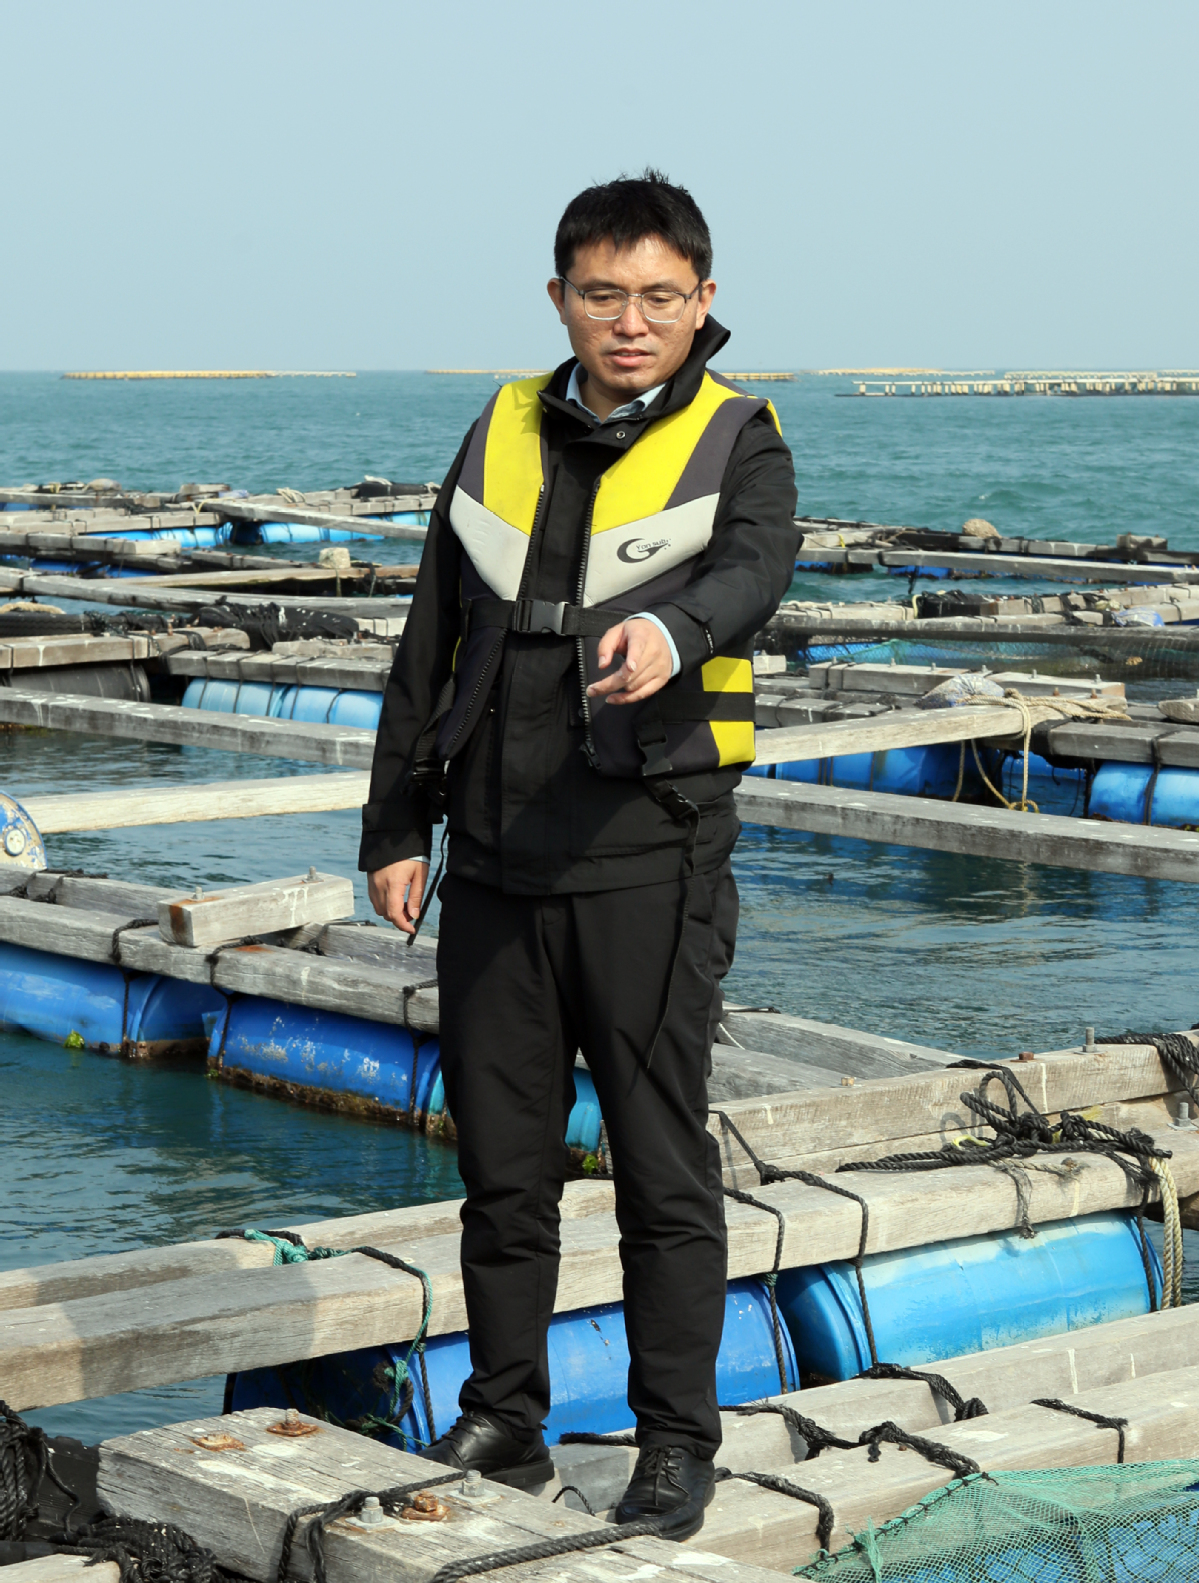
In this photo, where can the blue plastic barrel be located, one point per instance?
(329, 705)
(1054, 790)
(914, 772)
(298, 533)
(326, 1051)
(1120, 791)
(589, 1366)
(968, 1295)
(202, 538)
(329, 1052)
(52, 997)
(224, 696)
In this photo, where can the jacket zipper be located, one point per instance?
(474, 697)
(589, 752)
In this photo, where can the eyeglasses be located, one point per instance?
(657, 307)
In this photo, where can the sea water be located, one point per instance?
(981, 956)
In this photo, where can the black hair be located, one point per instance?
(630, 208)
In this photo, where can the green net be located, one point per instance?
(1132, 1524)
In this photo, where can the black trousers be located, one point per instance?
(525, 982)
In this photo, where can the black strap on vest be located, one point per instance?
(674, 705)
(540, 616)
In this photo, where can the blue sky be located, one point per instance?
(375, 184)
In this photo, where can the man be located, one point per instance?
(575, 685)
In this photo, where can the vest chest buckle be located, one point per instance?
(538, 615)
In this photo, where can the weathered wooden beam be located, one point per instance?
(62, 1569)
(239, 1499)
(878, 1109)
(217, 917)
(1057, 568)
(1144, 851)
(185, 1329)
(103, 550)
(350, 746)
(794, 626)
(349, 674)
(128, 593)
(899, 728)
(249, 799)
(849, 1050)
(1130, 744)
(362, 525)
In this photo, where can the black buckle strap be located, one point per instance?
(543, 617)
(538, 615)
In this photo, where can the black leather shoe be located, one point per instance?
(479, 1442)
(670, 1483)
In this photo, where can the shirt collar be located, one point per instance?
(631, 409)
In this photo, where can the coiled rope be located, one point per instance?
(1068, 708)
(24, 1462)
(1022, 1135)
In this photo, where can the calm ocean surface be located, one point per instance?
(985, 958)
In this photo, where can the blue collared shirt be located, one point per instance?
(631, 409)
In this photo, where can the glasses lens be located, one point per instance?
(604, 304)
(663, 307)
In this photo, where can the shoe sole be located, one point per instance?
(525, 1474)
(687, 1525)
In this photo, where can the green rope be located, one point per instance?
(403, 1385)
(293, 1252)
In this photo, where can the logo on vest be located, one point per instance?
(634, 550)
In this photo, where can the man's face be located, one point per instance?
(625, 356)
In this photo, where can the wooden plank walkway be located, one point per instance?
(237, 1500)
(345, 522)
(241, 799)
(122, 1336)
(1144, 851)
(790, 625)
(384, 616)
(350, 746)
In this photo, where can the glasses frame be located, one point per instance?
(629, 296)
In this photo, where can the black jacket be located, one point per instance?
(526, 812)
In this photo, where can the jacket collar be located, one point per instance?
(681, 389)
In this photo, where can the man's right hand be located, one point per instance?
(396, 892)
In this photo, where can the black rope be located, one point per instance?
(145, 1552)
(1178, 1053)
(114, 949)
(546, 1549)
(148, 1552)
(772, 1173)
(963, 1408)
(1023, 1135)
(573, 1489)
(584, 1437)
(816, 1438)
(24, 1463)
(771, 1279)
(392, 1500)
(931, 1450)
(826, 1520)
(1104, 1422)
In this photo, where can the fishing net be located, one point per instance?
(1133, 1524)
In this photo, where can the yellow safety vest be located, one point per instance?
(653, 516)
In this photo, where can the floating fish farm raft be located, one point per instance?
(952, 1347)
